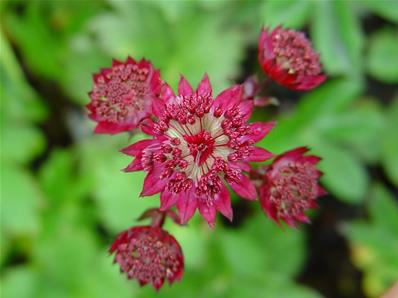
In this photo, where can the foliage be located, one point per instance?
(61, 207)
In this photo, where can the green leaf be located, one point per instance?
(390, 143)
(115, 192)
(19, 102)
(89, 274)
(359, 127)
(60, 180)
(261, 229)
(82, 58)
(382, 62)
(267, 287)
(290, 13)
(337, 35)
(384, 8)
(41, 48)
(251, 260)
(344, 175)
(374, 243)
(22, 143)
(192, 239)
(383, 209)
(21, 198)
(330, 98)
(20, 281)
(190, 44)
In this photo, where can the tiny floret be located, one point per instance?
(124, 95)
(289, 186)
(288, 58)
(149, 255)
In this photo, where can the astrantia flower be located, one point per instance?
(289, 186)
(199, 144)
(288, 58)
(123, 95)
(149, 255)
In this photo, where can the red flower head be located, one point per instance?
(288, 58)
(289, 186)
(123, 95)
(199, 144)
(149, 255)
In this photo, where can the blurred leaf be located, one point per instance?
(80, 61)
(267, 287)
(259, 243)
(382, 61)
(330, 98)
(384, 8)
(4, 248)
(43, 29)
(19, 102)
(374, 244)
(359, 127)
(20, 281)
(20, 197)
(251, 260)
(60, 180)
(344, 175)
(262, 229)
(42, 48)
(116, 193)
(190, 44)
(23, 143)
(337, 35)
(383, 209)
(289, 13)
(390, 143)
(193, 240)
(70, 264)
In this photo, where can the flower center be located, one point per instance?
(201, 146)
(120, 95)
(295, 188)
(294, 53)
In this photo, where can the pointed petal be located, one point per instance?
(137, 147)
(266, 205)
(259, 154)
(130, 60)
(244, 166)
(186, 206)
(204, 87)
(167, 200)
(246, 108)
(111, 128)
(152, 183)
(166, 93)
(244, 188)
(184, 88)
(312, 159)
(158, 107)
(309, 82)
(260, 130)
(158, 283)
(223, 203)
(321, 191)
(147, 126)
(291, 155)
(136, 165)
(116, 62)
(228, 97)
(208, 213)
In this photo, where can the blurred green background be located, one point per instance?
(64, 198)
